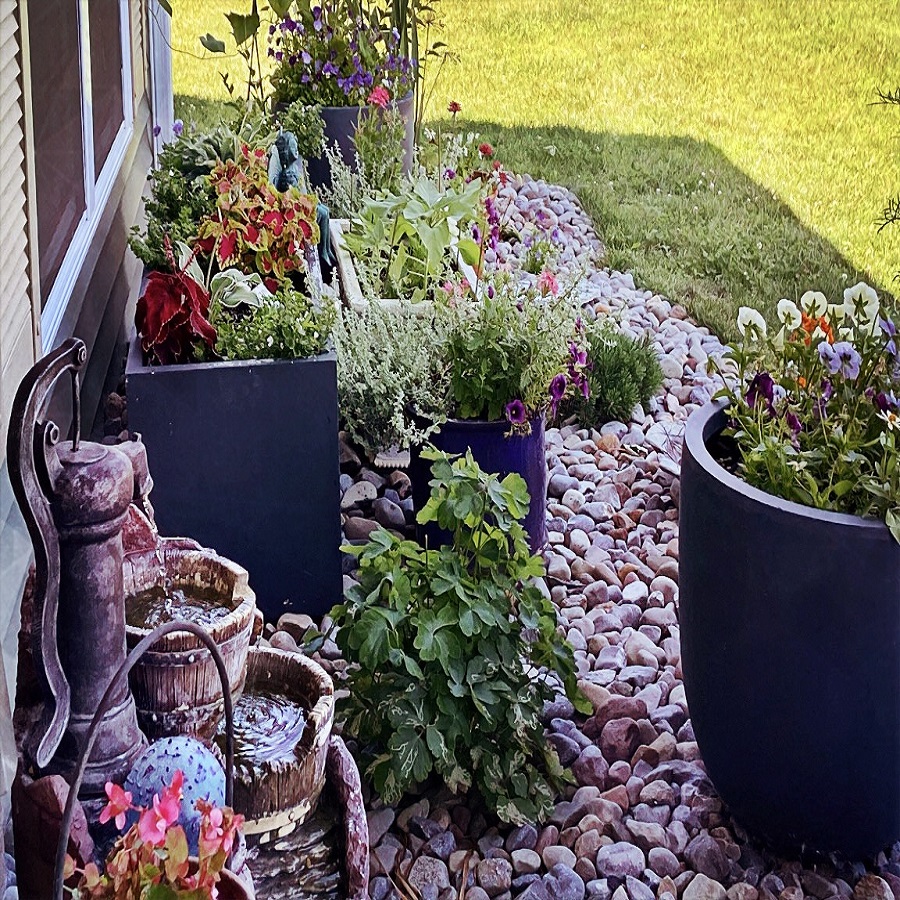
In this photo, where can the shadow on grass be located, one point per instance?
(674, 211)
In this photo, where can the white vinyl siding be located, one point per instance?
(16, 357)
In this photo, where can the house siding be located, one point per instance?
(100, 305)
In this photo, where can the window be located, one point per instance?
(80, 65)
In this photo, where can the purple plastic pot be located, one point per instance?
(494, 452)
(340, 127)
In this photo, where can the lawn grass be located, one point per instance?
(729, 151)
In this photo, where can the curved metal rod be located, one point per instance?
(32, 465)
(130, 661)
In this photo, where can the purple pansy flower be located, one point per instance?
(178, 127)
(890, 331)
(761, 388)
(848, 358)
(515, 412)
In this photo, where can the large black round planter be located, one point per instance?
(790, 641)
(340, 127)
(494, 452)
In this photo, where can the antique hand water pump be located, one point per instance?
(74, 496)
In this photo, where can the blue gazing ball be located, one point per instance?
(204, 779)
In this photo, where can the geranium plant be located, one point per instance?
(814, 410)
(151, 859)
(456, 650)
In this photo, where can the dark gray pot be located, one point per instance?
(340, 127)
(244, 458)
(790, 641)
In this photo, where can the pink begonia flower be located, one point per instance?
(547, 283)
(380, 96)
(119, 804)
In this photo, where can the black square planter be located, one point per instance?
(244, 459)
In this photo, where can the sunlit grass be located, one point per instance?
(729, 151)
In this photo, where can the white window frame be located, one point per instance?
(96, 191)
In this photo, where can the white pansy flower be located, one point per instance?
(789, 314)
(861, 302)
(814, 303)
(751, 323)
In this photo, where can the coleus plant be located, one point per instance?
(151, 859)
(255, 227)
(172, 314)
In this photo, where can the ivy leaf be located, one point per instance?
(243, 27)
(412, 759)
(213, 44)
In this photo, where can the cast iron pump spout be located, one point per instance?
(74, 497)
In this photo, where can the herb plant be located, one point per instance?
(306, 124)
(814, 410)
(455, 650)
(514, 350)
(622, 372)
(389, 360)
(285, 326)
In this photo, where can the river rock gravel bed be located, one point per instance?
(643, 821)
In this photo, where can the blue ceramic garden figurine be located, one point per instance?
(286, 170)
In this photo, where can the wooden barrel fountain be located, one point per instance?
(175, 686)
(282, 726)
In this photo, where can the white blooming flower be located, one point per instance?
(861, 302)
(778, 340)
(789, 314)
(891, 418)
(751, 323)
(814, 304)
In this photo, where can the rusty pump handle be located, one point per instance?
(32, 469)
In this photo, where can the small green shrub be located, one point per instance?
(625, 372)
(453, 650)
(287, 326)
(307, 125)
(388, 360)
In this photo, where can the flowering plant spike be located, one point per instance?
(151, 857)
(814, 409)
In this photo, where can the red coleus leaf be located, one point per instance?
(171, 317)
(274, 222)
(227, 246)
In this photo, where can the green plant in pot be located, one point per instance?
(455, 651)
(233, 355)
(405, 243)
